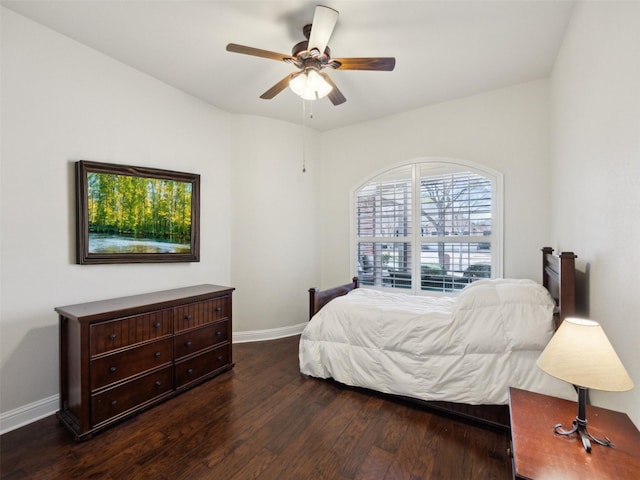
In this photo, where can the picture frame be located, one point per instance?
(129, 214)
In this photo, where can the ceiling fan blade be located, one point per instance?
(335, 95)
(324, 21)
(278, 87)
(256, 52)
(386, 64)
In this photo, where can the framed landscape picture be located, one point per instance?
(129, 214)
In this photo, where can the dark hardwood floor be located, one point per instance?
(264, 420)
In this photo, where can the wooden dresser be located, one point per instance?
(120, 356)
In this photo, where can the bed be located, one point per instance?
(454, 354)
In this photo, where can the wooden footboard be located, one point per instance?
(319, 298)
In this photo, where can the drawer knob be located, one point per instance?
(112, 369)
(188, 344)
(190, 371)
(188, 317)
(158, 325)
(112, 336)
(114, 403)
(218, 309)
(157, 354)
(219, 333)
(220, 358)
(158, 383)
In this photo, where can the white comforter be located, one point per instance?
(468, 349)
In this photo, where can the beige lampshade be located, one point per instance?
(580, 353)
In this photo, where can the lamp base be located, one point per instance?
(580, 424)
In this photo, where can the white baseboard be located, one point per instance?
(271, 334)
(32, 412)
(27, 414)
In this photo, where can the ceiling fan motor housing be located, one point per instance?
(302, 48)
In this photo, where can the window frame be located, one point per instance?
(416, 238)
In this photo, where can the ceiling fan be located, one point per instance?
(311, 57)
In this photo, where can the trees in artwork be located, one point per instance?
(139, 207)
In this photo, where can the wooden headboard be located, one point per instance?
(558, 277)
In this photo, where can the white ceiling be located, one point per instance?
(444, 49)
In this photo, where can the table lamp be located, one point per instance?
(580, 353)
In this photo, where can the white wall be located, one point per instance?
(595, 130)
(274, 249)
(63, 102)
(504, 129)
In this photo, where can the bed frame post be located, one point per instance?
(545, 277)
(312, 301)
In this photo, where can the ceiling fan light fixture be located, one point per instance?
(310, 85)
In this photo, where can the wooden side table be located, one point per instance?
(539, 453)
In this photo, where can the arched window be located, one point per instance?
(428, 226)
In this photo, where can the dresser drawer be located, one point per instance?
(135, 393)
(201, 313)
(107, 336)
(198, 339)
(196, 367)
(118, 366)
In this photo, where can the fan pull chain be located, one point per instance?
(304, 135)
(304, 131)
